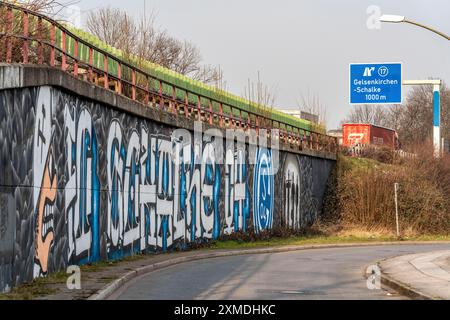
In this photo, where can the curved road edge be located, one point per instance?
(112, 287)
(424, 276)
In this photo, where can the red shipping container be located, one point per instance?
(367, 134)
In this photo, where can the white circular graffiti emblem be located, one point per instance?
(263, 191)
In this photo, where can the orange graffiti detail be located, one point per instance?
(47, 197)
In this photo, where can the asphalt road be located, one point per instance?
(309, 274)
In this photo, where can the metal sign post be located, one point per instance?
(396, 185)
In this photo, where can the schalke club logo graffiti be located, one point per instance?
(263, 198)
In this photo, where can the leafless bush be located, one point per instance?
(365, 193)
(311, 103)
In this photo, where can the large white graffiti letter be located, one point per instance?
(236, 189)
(207, 201)
(82, 188)
(147, 190)
(115, 168)
(164, 205)
(181, 143)
(132, 218)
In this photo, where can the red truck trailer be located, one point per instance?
(368, 134)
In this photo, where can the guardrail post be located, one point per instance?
(91, 64)
(133, 81)
(9, 30)
(147, 90)
(186, 103)
(64, 48)
(52, 44)
(231, 118)
(161, 99)
(105, 71)
(257, 124)
(174, 97)
(40, 45)
(240, 119)
(119, 76)
(221, 114)
(210, 112)
(25, 51)
(75, 64)
(199, 108)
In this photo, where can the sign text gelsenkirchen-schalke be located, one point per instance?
(376, 83)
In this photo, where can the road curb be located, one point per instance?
(403, 289)
(112, 287)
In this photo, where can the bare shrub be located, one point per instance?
(264, 99)
(366, 193)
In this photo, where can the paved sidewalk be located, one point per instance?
(425, 275)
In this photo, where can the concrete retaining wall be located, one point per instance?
(88, 176)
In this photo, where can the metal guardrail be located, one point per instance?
(31, 38)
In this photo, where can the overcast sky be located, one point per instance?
(302, 46)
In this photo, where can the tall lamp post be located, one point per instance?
(436, 83)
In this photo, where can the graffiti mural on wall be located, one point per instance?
(106, 184)
(237, 192)
(160, 191)
(263, 190)
(82, 190)
(292, 204)
(45, 180)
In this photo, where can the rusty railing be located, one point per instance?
(31, 38)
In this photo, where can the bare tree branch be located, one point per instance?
(49, 7)
(146, 41)
(311, 103)
(263, 96)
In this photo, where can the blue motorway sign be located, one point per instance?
(376, 83)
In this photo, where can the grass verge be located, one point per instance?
(324, 240)
(48, 285)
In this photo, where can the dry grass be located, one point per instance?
(364, 195)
